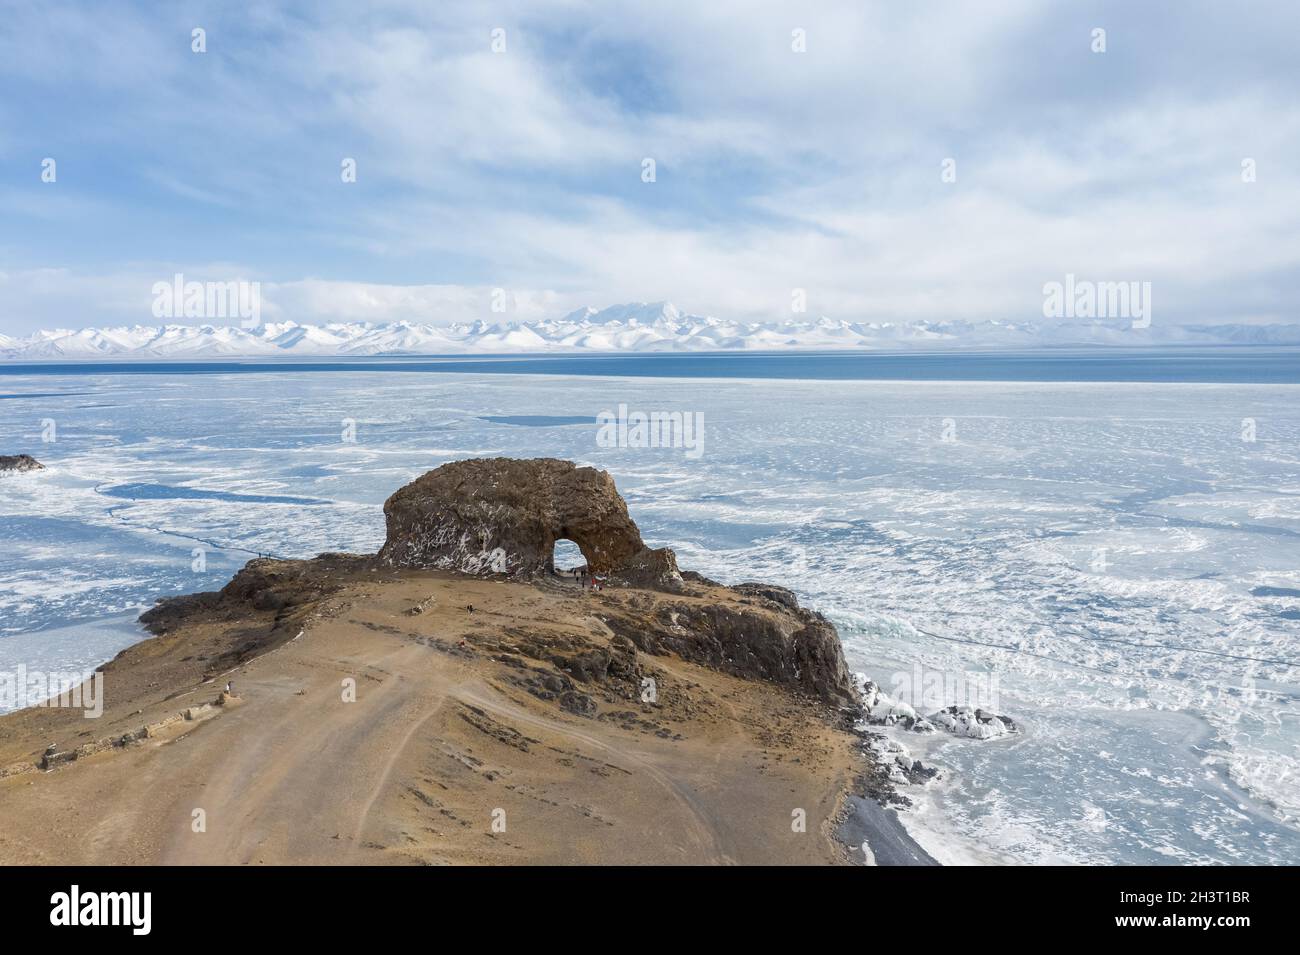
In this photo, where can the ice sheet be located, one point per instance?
(1116, 554)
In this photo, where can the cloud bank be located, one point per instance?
(876, 162)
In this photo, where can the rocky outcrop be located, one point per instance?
(503, 516)
(765, 637)
(19, 462)
(274, 596)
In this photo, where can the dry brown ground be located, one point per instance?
(441, 740)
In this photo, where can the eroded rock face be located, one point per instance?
(503, 516)
(769, 637)
(19, 462)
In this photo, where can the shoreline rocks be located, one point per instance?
(881, 709)
(973, 723)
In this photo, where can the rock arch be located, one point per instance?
(504, 515)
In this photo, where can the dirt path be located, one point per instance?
(699, 826)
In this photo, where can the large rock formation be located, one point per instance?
(503, 516)
(19, 462)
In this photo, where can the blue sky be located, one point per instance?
(521, 169)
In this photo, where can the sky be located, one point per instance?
(896, 161)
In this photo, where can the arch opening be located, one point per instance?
(565, 556)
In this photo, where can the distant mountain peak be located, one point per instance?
(627, 327)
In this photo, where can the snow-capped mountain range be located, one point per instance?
(640, 327)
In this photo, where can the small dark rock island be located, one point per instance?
(20, 462)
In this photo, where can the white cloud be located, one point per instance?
(776, 170)
(320, 301)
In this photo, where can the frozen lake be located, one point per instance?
(1120, 555)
